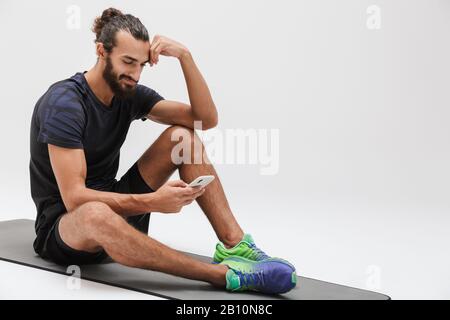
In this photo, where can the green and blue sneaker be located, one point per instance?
(267, 276)
(246, 248)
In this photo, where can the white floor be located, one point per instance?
(20, 282)
(405, 258)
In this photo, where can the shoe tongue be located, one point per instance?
(247, 237)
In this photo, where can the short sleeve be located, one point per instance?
(61, 119)
(144, 100)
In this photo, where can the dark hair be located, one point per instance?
(113, 20)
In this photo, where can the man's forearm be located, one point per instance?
(123, 204)
(202, 104)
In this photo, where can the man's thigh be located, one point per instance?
(70, 239)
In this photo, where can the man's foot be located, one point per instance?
(268, 276)
(246, 248)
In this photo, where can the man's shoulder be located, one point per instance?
(143, 89)
(146, 95)
(71, 86)
(65, 93)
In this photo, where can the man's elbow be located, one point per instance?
(73, 199)
(71, 203)
(212, 122)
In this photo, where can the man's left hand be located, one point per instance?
(167, 47)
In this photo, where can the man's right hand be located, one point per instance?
(173, 195)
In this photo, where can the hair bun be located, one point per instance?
(100, 22)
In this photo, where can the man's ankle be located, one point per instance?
(233, 241)
(220, 278)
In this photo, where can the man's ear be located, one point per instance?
(100, 50)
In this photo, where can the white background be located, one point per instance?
(362, 193)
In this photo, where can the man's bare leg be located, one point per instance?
(156, 166)
(94, 225)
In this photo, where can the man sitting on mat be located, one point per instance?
(85, 215)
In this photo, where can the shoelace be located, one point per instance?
(250, 279)
(259, 253)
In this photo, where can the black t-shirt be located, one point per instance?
(70, 115)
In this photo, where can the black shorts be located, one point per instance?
(54, 248)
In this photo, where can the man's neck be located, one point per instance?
(98, 85)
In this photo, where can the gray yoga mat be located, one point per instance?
(16, 239)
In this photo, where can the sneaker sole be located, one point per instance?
(269, 259)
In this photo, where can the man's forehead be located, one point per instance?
(127, 45)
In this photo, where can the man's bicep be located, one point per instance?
(171, 113)
(69, 168)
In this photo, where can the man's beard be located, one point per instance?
(112, 80)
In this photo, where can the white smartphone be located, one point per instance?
(201, 181)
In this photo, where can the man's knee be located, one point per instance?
(175, 132)
(85, 227)
(187, 147)
(98, 215)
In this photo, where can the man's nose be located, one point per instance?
(134, 77)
